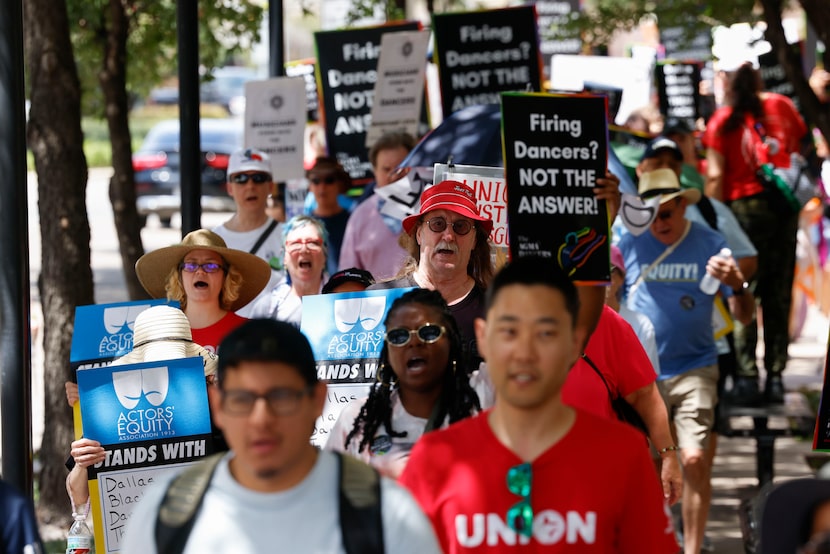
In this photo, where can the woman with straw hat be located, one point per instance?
(209, 280)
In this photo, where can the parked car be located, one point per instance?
(227, 88)
(156, 166)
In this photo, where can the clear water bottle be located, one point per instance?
(710, 284)
(80, 539)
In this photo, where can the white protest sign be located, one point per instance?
(275, 113)
(490, 189)
(399, 88)
(402, 198)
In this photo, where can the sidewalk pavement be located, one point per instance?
(734, 474)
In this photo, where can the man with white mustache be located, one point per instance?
(449, 252)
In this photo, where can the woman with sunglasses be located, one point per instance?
(422, 385)
(306, 251)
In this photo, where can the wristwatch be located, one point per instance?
(743, 289)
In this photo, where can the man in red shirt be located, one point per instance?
(533, 474)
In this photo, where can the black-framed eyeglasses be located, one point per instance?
(428, 333)
(209, 267)
(258, 178)
(327, 180)
(520, 515)
(460, 227)
(282, 401)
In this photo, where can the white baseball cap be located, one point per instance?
(249, 159)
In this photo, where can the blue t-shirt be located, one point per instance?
(18, 526)
(671, 298)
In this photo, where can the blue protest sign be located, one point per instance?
(104, 332)
(346, 334)
(144, 402)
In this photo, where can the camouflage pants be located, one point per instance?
(773, 232)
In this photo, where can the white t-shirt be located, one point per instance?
(302, 519)
(271, 251)
(644, 330)
(389, 454)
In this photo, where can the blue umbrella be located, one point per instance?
(472, 136)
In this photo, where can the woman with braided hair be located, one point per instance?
(423, 385)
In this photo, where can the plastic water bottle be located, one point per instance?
(80, 539)
(710, 284)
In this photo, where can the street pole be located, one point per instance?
(190, 152)
(276, 40)
(15, 309)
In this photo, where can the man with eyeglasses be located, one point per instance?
(251, 229)
(449, 252)
(533, 474)
(273, 490)
(664, 267)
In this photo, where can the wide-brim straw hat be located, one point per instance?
(154, 267)
(163, 333)
(664, 183)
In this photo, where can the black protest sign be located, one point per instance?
(555, 148)
(554, 36)
(483, 53)
(775, 76)
(678, 89)
(347, 70)
(680, 44)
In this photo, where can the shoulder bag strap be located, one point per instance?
(659, 259)
(263, 236)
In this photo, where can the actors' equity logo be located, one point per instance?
(360, 313)
(151, 383)
(116, 318)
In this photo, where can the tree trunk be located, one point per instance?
(113, 79)
(56, 139)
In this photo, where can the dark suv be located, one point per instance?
(156, 166)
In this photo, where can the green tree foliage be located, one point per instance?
(226, 31)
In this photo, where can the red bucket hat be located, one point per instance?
(453, 196)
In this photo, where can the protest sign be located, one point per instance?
(491, 193)
(107, 334)
(679, 44)
(306, 69)
(399, 89)
(346, 333)
(555, 148)
(554, 37)
(678, 90)
(151, 418)
(483, 53)
(775, 76)
(402, 197)
(274, 123)
(107, 331)
(346, 72)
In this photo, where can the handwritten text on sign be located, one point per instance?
(120, 492)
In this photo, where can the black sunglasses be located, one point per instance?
(460, 227)
(328, 180)
(428, 333)
(258, 178)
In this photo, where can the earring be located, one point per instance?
(379, 374)
(454, 367)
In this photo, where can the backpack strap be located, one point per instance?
(181, 503)
(359, 497)
(707, 210)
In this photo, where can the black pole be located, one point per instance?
(190, 157)
(15, 310)
(276, 40)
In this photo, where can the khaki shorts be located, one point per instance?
(690, 401)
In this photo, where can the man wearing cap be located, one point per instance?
(274, 490)
(663, 271)
(250, 228)
(450, 252)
